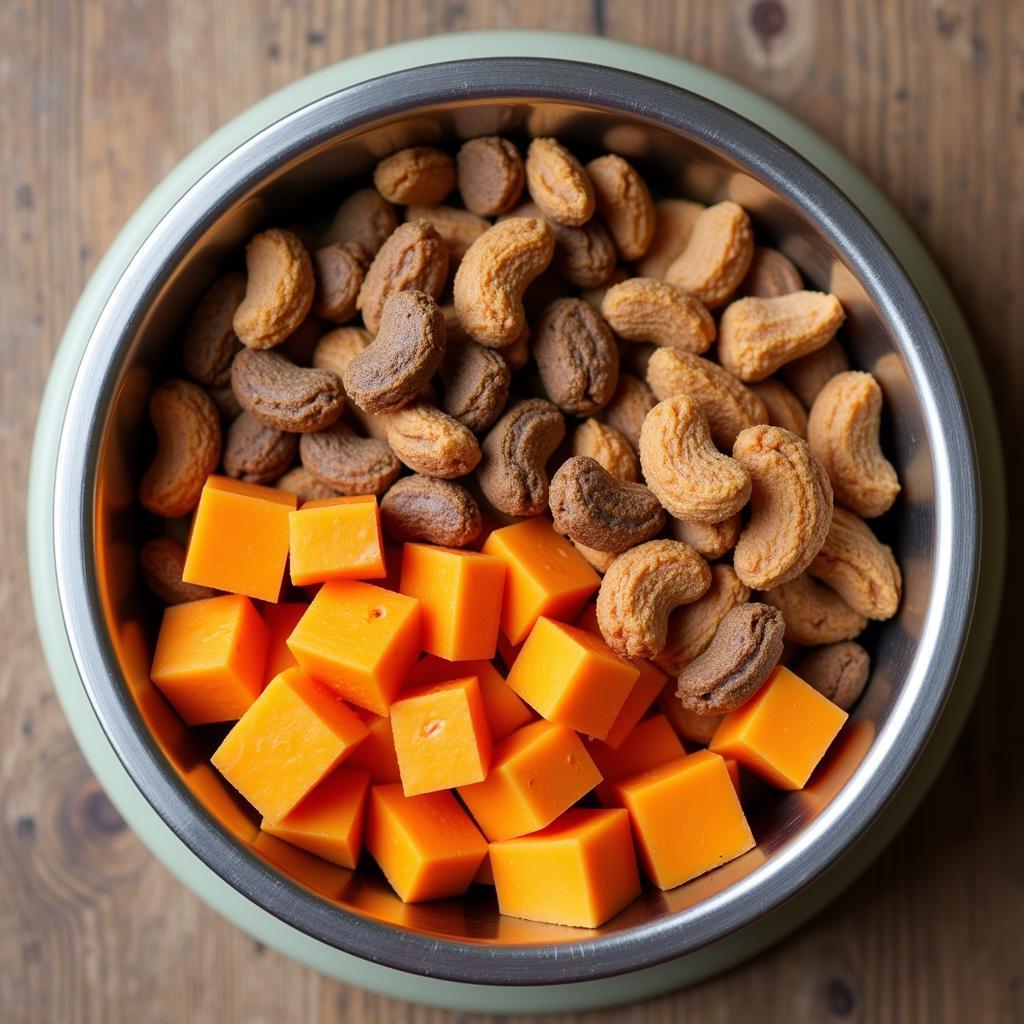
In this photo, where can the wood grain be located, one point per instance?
(101, 99)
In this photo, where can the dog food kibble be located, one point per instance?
(453, 572)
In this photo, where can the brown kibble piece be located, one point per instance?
(629, 407)
(491, 175)
(339, 271)
(558, 184)
(431, 442)
(770, 274)
(210, 340)
(458, 228)
(608, 447)
(782, 405)
(476, 382)
(814, 614)
(698, 729)
(623, 202)
(293, 398)
(809, 374)
(418, 176)
(348, 463)
(674, 220)
(300, 482)
(365, 219)
(647, 310)
(162, 561)
(837, 671)
(710, 540)
(426, 509)
(258, 453)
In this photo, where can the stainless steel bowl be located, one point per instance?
(685, 144)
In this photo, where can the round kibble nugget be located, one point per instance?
(491, 175)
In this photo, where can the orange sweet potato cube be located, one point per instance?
(580, 870)
(571, 677)
(376, 754)
(652, 743)
(281, 619)
(460, 595)
(441, 736)
(426, 845)
(336, 539)
(209, 658)
(686, 817)
(294, 734)
(782, 732)
(329, 820)
(545, 575)
(239, 539)
(359, 639)
(536, 773)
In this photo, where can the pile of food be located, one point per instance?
(520, 530)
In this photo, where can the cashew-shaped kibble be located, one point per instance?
(406, 353)
(279, 290)
(729, 405)
(783, 407)
(491, 175)
(717, 256)
(790, 507)
(300, 482)
(161, 561)
(431, 442)
(511, 473)
(476, 382)
(576, 356)
(210, 340)
(607, 446)
(837, 671)
(629, 407)
(858, 567)
(692, 479)
(428, 509)
(258, 453)
(770, 274)
(640, 590)
(746, 647)
(282, 395)
(757, 336)
(624, 204)
(420, 175)
(348, 463)
(339, 271)
(493, 275)
(558, 184)
(842, 430)
(809, 374)
(188, 448)
(365, 219)
(711, 540)
(692, 627)
(594, 509)
(458, 228)
(814, 614)
(647, 310)
(674, 220)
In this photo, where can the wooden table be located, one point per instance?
(100, 99)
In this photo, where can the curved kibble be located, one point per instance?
(491, 175)
(512, 471)
(282, 395)
(414, 258)
(783, 407)
(161, 561)
(859, 567)
(365, 219)
(210, 340)
(814, 614)
(646, 310)
(279, 290)
(790, 507)
(458, 228)
(629, 407)
(717, 256)
(757, 336)
(348, 463)
(427, 509)
(843, 431)
(710, 540)
(690, 477)
(729, 405)
(809, 374)
(338, 271)
(431, 442)
(770, 274)
(640, 590)
(624, 203)
(837, 671)
(418, 176)
(746, 647)
(674, 221)
(493, 275)
(300, 482)
(257, 453)
(576, 356)
(558, 184)
(476, 382)
(402, 358)
(594, 509)
(608, 447)
(188, 448)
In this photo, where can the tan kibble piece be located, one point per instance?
(674, 220)
(717, 255)
(493, 275)
(757, 336)
(600, 561)
(210, 340)
(258, 453)
(859, 567)
(188, 448)
(337, 348)
(431, 442)
(745, 648)
(365, 219)
(790, 507)
(476, 382)
(711, 540)
(576, 356)
(843, 431)
(770, 274)
(161, 561)
(728, 404)
(297, 399)
(629, 407)
(300, 482)
(623, 202)
(647, 310)
(279, 289)
(641, 589)
(425, 508)
(690, 477)
(692, 627)
(607, 446)
(491, 175)
(414, 258)
(339, 271)
(837, 671)
(558, 184)
(782, 405)
(348, 463)
(595, 295)
(814, 614)
(512, 473)
(418, 176)
(809, 374)
(459, 228)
